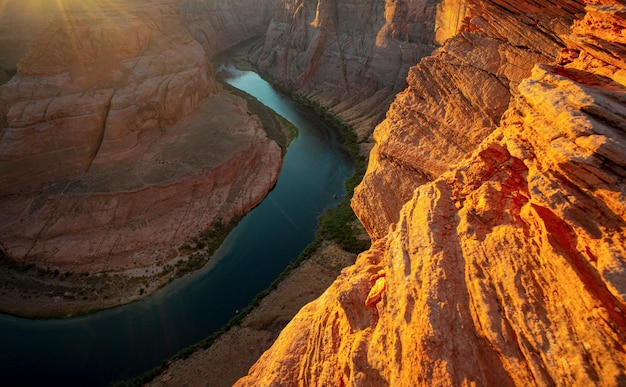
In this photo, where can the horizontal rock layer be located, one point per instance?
(212, 165)
(115, 144)
(350, 57)
(95, 83)
(220, 24)
(507, 268)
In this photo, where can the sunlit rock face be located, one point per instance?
(101, 77)
(455, 98)
(220, 24)
(349, 56)
(115, 144)
(507, 268)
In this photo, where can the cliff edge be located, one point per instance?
(504, 261)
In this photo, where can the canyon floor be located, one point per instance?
(35, 292)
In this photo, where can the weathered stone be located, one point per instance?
(350, 57)
(454, 99)
(95, 83)
(508, 267)
(115, 144)
(220, 24)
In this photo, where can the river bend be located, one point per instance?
(119, 343)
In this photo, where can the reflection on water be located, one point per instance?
(122, 342)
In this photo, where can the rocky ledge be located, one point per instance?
(508, 266)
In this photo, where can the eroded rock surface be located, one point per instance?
(454, 99)
(350, 57)
(115, 144)
(220, 24)
(508, 267)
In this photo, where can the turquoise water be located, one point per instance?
(120, 343)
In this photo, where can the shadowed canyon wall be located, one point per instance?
(348, 56)
(21, 21)
(502, 262)
(116, 144)
(220, 24)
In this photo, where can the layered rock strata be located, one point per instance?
(117, 145)
(100, 78)
(455, 98)
(219, 25)
(350, 57)
(508, 267)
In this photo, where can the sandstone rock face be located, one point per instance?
(508, 267)
(454, 99)
(349, 56)
(21, 21)
(115, 144)
(97, 81)
(212, 165)
(220, 24)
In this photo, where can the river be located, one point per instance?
(119, 343)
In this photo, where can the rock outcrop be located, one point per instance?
(455, 98)
(350, 57)
(221, 24)
(116, 144)
(96, 82)
(507, 267)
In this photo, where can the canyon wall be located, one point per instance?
(348, 56)
(506, 263)
(220, 24)
(455, 98)
(116, 144)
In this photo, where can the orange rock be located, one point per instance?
(116, 145)
(508, 267)
(376, 293)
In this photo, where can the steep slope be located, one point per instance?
(220, 24)
(116, 145)
(350, 57)
(97, 80)
(455, 98)
(506, 269)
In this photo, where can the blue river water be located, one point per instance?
(103, 347)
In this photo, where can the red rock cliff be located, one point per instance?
(349, 56)
(220, 24)
(505, 265)
(116, 145)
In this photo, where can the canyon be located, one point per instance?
(495, 201)
(117, 147)
(349, 57)
(494, 194)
